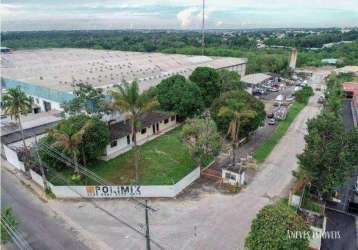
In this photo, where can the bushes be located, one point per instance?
(303, 95)
(271, 227)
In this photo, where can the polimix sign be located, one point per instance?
(113, 191)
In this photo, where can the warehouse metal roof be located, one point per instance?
(59, 69)
(255, 78)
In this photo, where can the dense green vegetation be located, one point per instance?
(238, 101)
(202, 138)
(90, 146)
(235, 44)
(271, 229)
(308, 40)
(330, 155)
(179, 95)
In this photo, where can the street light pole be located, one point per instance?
(202, 30)
(147, 225)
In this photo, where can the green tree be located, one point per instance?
(203, 139)
(271, 229)
(238, 101)
(16, 103)
(236, 118)
(330, 155)
(208, 80)
(93, 143)
(10, 220)
(70, 141)
(230, 80)
(304, 94)
(87, 98)
(176, 94)
(127, 99)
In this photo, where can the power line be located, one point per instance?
(96, 205)
(17, 238)
(83, 170)
(63, 158)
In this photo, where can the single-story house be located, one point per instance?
(152, 125)
(256, 81)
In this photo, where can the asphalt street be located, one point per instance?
(42, 228)
(345, 225)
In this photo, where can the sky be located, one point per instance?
(175, 14)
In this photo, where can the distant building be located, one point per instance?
(5, 50)
(253, 81)
(330, 61)
(348, 70)
(48, 75)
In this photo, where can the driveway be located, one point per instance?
(208, 221)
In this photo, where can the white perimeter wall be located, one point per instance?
(164, 191)
(13, 159)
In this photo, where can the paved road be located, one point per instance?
(346, 226)
(211, 221)
(41, 228)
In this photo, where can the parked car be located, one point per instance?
(290, 98)
(356, 187)
(272, 121)
(274, 89)
(318, 89)
(321, 99)
(270, 115)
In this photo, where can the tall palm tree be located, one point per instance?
(70, 142)
(128, 99)
(236, 117)
(16, 103)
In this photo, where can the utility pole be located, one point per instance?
(44, 180)
(147, 225)
(202, 31)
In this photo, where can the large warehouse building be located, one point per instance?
(47, 75)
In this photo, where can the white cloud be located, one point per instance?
(186, 16)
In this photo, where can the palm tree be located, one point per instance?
(127, 99)
(70, 142)
(16, 103)
(236, 117)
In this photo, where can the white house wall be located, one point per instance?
(40, 103)
(122, 146)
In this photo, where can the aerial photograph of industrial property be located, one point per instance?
(179, 124)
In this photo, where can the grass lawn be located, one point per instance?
(163, 161)
(265, 149)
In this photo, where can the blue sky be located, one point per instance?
(175, 14)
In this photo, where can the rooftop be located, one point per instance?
(58, 69)
(348, 69)
(255, 78)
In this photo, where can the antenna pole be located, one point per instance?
(202, 30)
